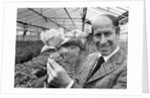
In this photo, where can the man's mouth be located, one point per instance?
(104, 48)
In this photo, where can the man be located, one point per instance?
(30, 73)
(112, 70)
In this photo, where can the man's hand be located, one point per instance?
(57, 76)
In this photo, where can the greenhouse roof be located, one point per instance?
(37, 19)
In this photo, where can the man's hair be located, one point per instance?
(113, 19)
(115, 22)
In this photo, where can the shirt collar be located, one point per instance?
(106, 58)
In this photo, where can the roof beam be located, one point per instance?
(122, 9)
(124, 14)
(124, 19)
(21, 12)
(27, 15)
(110, 11)
(63, 18)
(46, 18)
(31, 16)
(69, 16)
(107, 10)
(84, 18)
(114, 10)
(25, 23)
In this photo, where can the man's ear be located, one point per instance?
(92, 31)
(118, 31)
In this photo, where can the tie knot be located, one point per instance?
(97, 66)
(101, 60)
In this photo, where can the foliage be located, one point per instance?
(26, 50)
(27, 73)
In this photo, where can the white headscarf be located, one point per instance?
(47, 35)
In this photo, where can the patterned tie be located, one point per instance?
(97, 66)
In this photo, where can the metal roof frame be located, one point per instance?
(67, 18)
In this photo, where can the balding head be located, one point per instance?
(106, 20)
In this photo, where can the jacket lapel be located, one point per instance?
(87, 67)
(108, 67)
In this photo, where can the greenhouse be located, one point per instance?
(73, 25)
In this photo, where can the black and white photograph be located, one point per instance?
(74, 48)
(79, 47)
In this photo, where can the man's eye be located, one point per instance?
(98, 35)
(107, 34)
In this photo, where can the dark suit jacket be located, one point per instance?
(112, 74)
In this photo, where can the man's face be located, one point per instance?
(105, 36)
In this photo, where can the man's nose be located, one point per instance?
(103, 40)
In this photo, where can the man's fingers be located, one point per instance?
(54, 64)
(50, 70)
(49, 61)
(49, 78)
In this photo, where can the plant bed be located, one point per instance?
(26, 50)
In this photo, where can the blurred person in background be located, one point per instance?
(69, 55)
(36, 67)
(51, 38)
